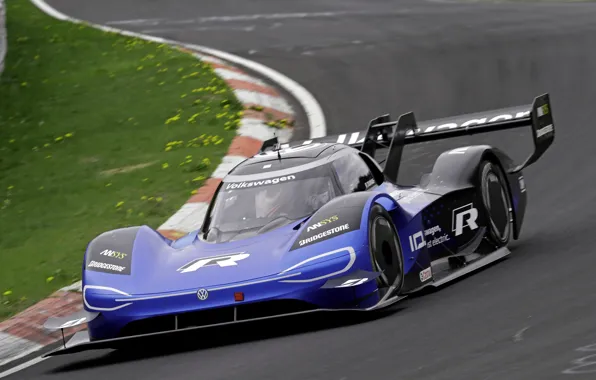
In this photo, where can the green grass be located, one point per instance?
(97, 131)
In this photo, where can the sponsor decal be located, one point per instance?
(354, 138)
(202, 294)
(542, 110)
(353, 282)
(522, 183)
(369, 183)
(330, 223)
(222, 261)
(322, 223)
(544, 130)
(417, 241)
(358, 137)
(330, 232)
(269, 181)
(432, 231)
(435, 241)
(426, 274)
(467, 123)
(113, 254)
(464, 216)
(106, 267)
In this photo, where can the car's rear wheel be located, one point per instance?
(385, 249)
(496, 201)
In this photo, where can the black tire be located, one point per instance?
(496, 200)
(385, 249)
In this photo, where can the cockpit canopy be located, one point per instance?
(273, 193)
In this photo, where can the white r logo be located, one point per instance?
(459, 213)
(222, 261)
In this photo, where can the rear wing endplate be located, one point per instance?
(394, 135)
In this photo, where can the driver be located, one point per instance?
(268, 201)
(319, 194)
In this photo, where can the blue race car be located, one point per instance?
(316, 225)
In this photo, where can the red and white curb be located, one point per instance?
(24, 334)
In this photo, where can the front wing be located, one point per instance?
(80, 341)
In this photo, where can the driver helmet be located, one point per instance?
(267, 201)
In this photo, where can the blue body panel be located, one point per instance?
(266, 270)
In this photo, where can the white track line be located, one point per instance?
(313, 110)
(22, 366)
(21, 347)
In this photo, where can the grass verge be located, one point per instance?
(97, 131)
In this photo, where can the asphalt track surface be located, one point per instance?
(523, 318)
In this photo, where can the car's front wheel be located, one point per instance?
(385, 250)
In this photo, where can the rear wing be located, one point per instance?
(394, 135)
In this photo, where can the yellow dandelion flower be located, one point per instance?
(173, 119)
(119, 204)
(165, 165)
(7, 293)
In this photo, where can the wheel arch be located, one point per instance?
(457, 169)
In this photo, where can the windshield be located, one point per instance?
(247, 208)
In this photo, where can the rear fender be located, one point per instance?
(457, 169)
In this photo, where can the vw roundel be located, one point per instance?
(202, 294)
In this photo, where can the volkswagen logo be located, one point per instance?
(202, 294)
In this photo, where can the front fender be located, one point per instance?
(111, 252)
(341, 215)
